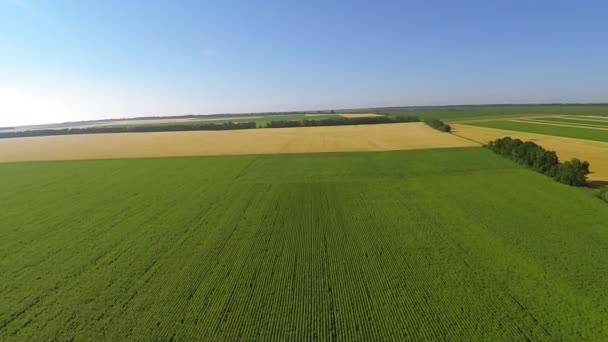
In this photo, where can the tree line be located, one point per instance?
(531, 155)
(437, 124)
(131, 129)
(340, 121)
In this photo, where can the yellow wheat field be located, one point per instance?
(402, 136)
(593, 151)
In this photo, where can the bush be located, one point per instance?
(573, 172)
(535, 157)
(437, 124)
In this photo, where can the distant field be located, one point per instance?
(459, 113)
(261, 120)
(455, 244)
(385, 137)
(594, 151)
(583, 121)
(359, 115)
(170, 120)
(562, 130)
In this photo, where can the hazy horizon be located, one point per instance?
(309, 110)
(63, 61)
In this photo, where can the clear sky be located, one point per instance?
(76, 60)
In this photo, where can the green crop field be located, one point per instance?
(461, 113)
(453, 244)
(562, 131)
(581, 121)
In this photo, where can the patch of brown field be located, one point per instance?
(359, 115)
(595, 152)
(553, 123)
(387, 137)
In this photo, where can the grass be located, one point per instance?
(562, 131)
(456, 244)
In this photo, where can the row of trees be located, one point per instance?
(531, 155)
(132, 129)
(340, 121)
(437, 124)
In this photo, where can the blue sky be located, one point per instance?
(78, 60)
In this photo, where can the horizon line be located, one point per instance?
(438, 106)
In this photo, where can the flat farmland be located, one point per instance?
(359, 115)
(590, 131)
(595, 152)
(447, 244)
(383, 137)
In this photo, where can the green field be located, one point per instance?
(584, 122)
(458, 113)
(562, 131)
(453, 244)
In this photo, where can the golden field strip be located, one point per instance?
(593, 151)
(386, 137)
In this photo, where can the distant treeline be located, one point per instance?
(131, 129)
(340, 121)
(437, 124)
(573, 172)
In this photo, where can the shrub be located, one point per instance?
(573, 172)
(438, 124)
(535, 157)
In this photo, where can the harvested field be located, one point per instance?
(403, 136)
(593, 151)
(359, 115)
